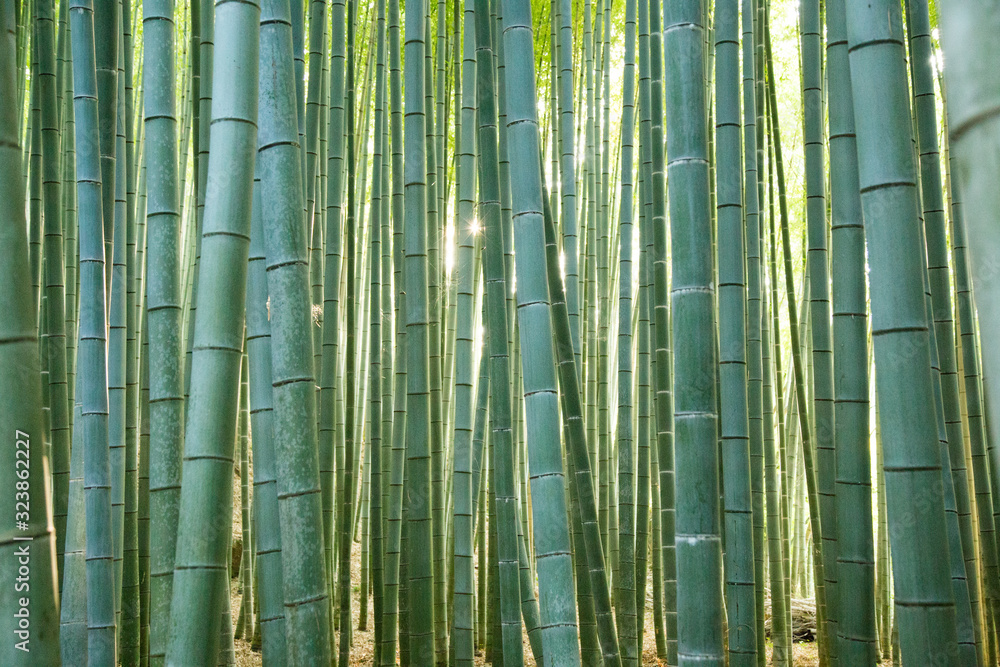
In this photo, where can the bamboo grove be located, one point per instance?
(527, 331)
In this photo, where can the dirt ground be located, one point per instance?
(805, 653)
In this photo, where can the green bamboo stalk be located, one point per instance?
(297, 20)
(388, 368)
(33, 162)
(601, 301)
(922, 78)
(647, 419)
(129, 639)
(203, 44)
(132, 127)
(54, 325)
(378, 355)
(317, 54)
(502, 482)
(364, 522)
(494, 640)
(699, 557)
(200, 566)
(966, 587)
(467, 227)
(107, 26)
(529, 603)
(434, 107)
(351, 434)
(554, 148)
(588, 551)
(738, 332)
(315, 183)
(93, 395)
(117, 316)
(985, 475)
(451, 314)
(642, 519)
(857, 641)
(267, 529)
(925, 607)
(73, 594)
(646, 424)
(418, 444)
(29, 542)
(245, 622)
(567, 171)
(163, 296)
(304, 573)
(551, 535)
(227, 642)
(394, 511)
(783, 450)
(481, 631)
(662, 383)
(143, 493)
(70, 253)
(819, 311)
(965, 26)
(627, 582)
(130, 605)
(330, 436)
(43, 349)
(589, 258)
(966, 593)
(883, 608)
(776, 536)
(18, 20)
(754, 52)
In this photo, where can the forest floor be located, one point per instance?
(805, 654)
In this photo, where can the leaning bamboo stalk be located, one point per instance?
(798, 366)
(819, 313)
